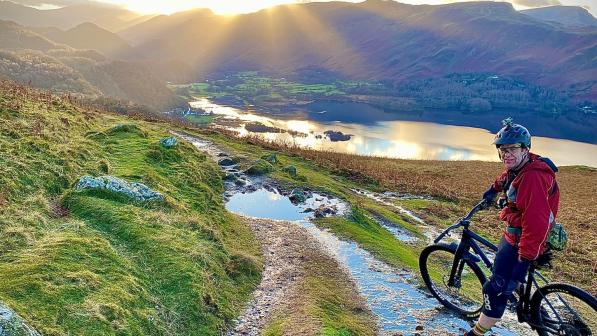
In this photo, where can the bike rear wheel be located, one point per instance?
(562, 309)
(465, 296)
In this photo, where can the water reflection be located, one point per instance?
(400, 139)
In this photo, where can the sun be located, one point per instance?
(222, 7)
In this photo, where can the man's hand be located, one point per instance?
(489, 197)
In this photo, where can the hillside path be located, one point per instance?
(288, 250)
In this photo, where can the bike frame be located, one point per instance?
(471, 240)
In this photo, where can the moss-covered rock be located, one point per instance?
(271, 158)
(291, 170)
(261, 167)
(168, 142)
(134, 190)
(12, 324)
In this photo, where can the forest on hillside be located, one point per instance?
(470, 93)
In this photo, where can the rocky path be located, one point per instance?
(289, 251)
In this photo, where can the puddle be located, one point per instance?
(271, 204)
(386, 198)
(400, 233)
(392, 295)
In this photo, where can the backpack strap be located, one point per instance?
(550, 163)
(554, 168)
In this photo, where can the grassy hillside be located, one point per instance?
(90, 263)
(455, 186)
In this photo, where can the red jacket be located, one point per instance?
(533, 199)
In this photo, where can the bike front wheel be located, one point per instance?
(464, 295)
(562, 309)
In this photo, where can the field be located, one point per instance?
(456, 186)
(98, 263)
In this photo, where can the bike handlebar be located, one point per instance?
(464, 220)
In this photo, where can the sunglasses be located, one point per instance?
(509, 150)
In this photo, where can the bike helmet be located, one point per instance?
(512, 133)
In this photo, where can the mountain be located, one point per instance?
(109, 17)
(29, 58)
(89, 36)
(380, 40)
(570, 16)
(14, 36)
(148, 29)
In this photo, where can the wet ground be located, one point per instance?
(392, 294)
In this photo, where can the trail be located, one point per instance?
(393, 295)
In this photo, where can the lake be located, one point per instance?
(374, 132)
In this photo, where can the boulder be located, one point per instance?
(226, 162)
(261, 167)
(169, 142)
(134, 190)
(291, 170)
(324, 211)
(297, 196)
(271, 158)
(337, 136)
(12, 324)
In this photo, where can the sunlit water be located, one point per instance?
(402, 139)
(391, 294)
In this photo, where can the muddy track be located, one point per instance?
(290, 253)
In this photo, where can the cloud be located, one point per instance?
(536, 3)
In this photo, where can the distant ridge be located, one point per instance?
(571, 16)
(106, 16)
(89, 36)
(378, 40)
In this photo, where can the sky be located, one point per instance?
(230, 7)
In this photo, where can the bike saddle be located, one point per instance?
(544, 260)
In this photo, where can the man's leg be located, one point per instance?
(495, 296)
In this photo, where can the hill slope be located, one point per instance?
(89, 36)
(99, 263)
(571, 16)
(106, 16)
(31, 59)
(381, 40)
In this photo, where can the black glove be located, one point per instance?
(520, 270)
(489, 196)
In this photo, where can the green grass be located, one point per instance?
(201, 119)
(96, 263)
(359, 227)
(372, 237)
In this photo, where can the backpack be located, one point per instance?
(558, 238)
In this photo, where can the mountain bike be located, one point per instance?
(455, 273)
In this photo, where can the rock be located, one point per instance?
(134, 190)
(169, 142)
(222, 154)
(297, 196)
(12, 324)
(260, 167)
(308, 210)
(291, 170)
(271, 158)
(324, 211)
(226, 162)
(419, 327)
(231, 177)
(337, 136)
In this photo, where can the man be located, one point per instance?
(529, 201)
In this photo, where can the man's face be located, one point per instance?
(512, 155)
